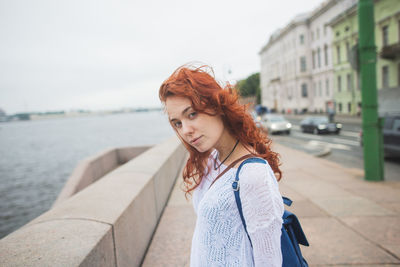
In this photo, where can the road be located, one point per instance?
(344, 148)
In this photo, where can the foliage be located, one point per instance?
(250, 86)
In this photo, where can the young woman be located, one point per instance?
(217, 131)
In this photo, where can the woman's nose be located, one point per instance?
(187, 129)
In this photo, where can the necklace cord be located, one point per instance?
(231, 166)
(222, 162)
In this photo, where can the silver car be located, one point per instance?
(274, 123)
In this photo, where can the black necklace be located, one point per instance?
(215, 160)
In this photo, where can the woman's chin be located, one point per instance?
(201, 149)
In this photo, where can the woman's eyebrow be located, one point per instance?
(183, 112)
(186, 110)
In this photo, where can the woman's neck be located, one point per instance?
(225, 147)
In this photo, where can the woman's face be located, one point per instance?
(200, 130)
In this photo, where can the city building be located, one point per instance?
(322, 72)
(296, 64)
(387, 40)
(285, 68)
(347, 95)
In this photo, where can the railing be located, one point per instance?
(390, 51)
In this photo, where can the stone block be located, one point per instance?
(164, 181)
(97, 170)
(105, 200)
(314, 188)
(378, 192)
(109, 161)
(351, 206)
(332, 243)
(80, 178)
(289, 192)
(306, 208)
(135, 227)
(384, 231)
(177, 197)
(392, 206)
(59, 243)
(171, 243)
(126, 154)
(153, 159)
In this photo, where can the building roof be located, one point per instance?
(279, 33)
(303, 18)
(348, 12)
(322, 8)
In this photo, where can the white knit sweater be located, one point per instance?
(219, 238)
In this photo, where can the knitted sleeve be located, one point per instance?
(262, 210)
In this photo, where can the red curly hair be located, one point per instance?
(205, 94)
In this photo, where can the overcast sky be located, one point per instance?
(97, 54)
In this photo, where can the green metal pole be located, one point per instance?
(372, 126)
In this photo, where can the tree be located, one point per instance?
(250, 86)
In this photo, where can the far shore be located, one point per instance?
(62, 114)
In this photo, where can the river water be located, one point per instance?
(37, 157)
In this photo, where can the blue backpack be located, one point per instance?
(292, 234)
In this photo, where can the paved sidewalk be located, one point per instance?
(347, 220)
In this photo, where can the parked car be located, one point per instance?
(256, 118)
(391, 135)
(274, 123)
(319, 124)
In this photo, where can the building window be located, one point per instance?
(349, 107)
(326, 55)
(338, 53)
(327, 87)
(313, 59)
(315, 88)
(301, 39)
(325, 30)
(385, 76)
(312, 36)
(337, 33)
(339, 83)
(304, 92)
(385, 35)
(303, 65)
(349, 85)
(348, 51)
(319, 58)
(347, 28)
(317, 33)
(320, 88)
(340, 107)
(398, 27)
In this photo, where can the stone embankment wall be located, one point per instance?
(91, 169)
(108, 223)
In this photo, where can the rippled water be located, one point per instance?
(37, 157)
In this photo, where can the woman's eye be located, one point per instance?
(177, 124)
(192, 115)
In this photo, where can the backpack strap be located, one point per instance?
(292, 234)
(236, 188)
(230, 167)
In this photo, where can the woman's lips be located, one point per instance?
(196, 140)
